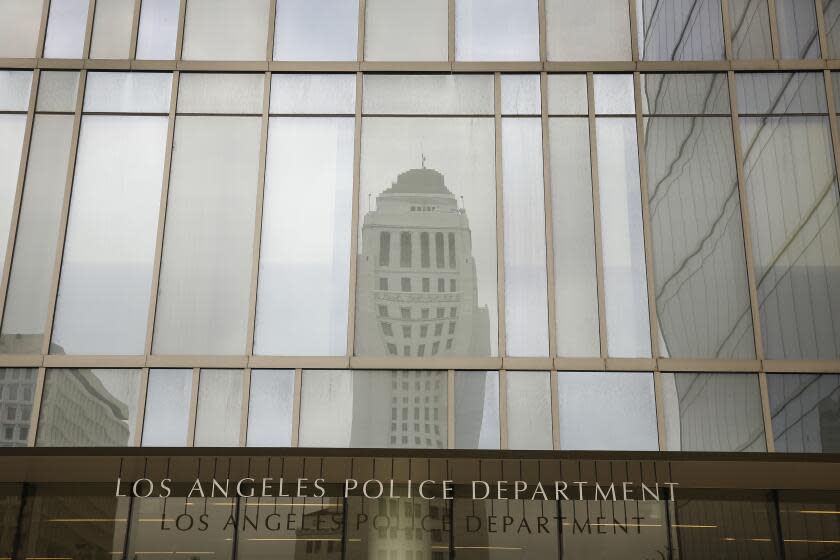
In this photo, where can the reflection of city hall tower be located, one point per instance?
(417, 293)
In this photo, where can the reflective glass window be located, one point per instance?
(127, 92)
(218, 417)
(496, 30)
(57, 91)
(15, 86)
(750, 28)
(316, 30)
(226, 30)
(313, 93)
(614, 94)
(66, 29)
(712, 412)
(271, 398)
(209, 527)
(167, 415)
(14, 97)
(385, 409)
(582, 30)
(529, 410)
(407, 30)
(797, 24)
(158, 30)
(607, 411)
(17, 392)
(424, 94)
(680, 30)
(831, 15)
(221, 93)
(112, 21)
(521, 94)
(477, 410)
(20, 21)
(804, 409)
(89, 408)
(567, 94)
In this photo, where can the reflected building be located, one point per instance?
(17, 389)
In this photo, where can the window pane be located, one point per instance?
(305, 252)
(680, 94)
(89, 408)
(607, 411)
(567, 94)
(17, 390)
(31, 276)
(464, 94)
(106, 274)
(804, 409)
(529, 410)
(316, 30)
(212, 533)
(15, 86)
(700, 273)
(750, 23)
(781, 93)
(226, 30)
(614, 94)
(793, 202)
(441, 174)
(625, 275)
(221, 93)
(57, 91)
(407, 30)
(66, 29)
(12, 129)
(576, 287)
(128, 92)
(218, 418)
(384, 409)
(581, 30)
(112, 29)
(680, 30)
(313, 93)
(477, 410)
(19, 26)
(270, 409)
(526, 289)
(831, 13)
(158, 30)
(205, 279)
(797, 23)
(496, 30)
(712, 412)
(521, 94)
(167, 416)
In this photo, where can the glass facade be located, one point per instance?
(484, 226)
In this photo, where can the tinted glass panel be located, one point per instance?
(797, 23)
(477, 410)
(84, 407)
(57, 91)
(112, 29)
(805, 409)
(17, 391)
(316, 30)
(158, 30)
(106, 273)
(19, 28)
(750, 24)
(781, 93)
(581, 30)
(66, 29)
(154, 528)
(680, 30)
(305, 252)
(404, 409)
(607, 410)
(529, 410)
(205, 281)
(270, 410)
(167, 415)
(226, 30)
(680, 94)
(406, 29)
(831, 12)
(496, 30)
(218, 418)
(712, 412)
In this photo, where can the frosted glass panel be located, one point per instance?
(477, 410)
(607, 411)
(526, 299)
(614, 94)
(316, 30)
(313, 93)
(407, 30)
(465, 94)
(15, 86)
(12, 129)
(128, 92)
(106, 273)
(496, 30)
(221, 93)
(218, 418)
(112, 29)
(584, 30)
(270, 410)
(66, 29)
(19, 28)
(158, 30)
(167, 416)
(226, 30)
(521, 94)
(57, 91)
(208, 246)
(30, 279)
(305, 251)
(625, 275)
(529, 410)
(576, 287)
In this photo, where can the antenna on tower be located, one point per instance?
(423, 160)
